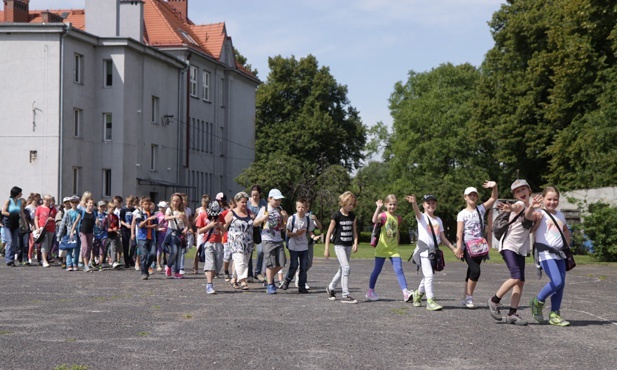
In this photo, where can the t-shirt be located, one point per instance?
(175, 223)
(472, 227)
(144, 233)
(424, 231)
(215, 235)
(87, 222)
(271, 228)
(548, 234)
(100, 226)
(43, 213)
(301, 242)
(388, 238)
(517, 237)
(343, 234)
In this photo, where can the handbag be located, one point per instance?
(376, 232)
(569, 256)
(68, 243)
(477, 247)
(438, 263)
(256, 234)
(38, 235)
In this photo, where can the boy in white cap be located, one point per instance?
(514, 246)
(274, 219)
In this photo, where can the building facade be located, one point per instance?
(105, 99)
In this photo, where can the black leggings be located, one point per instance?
(473, 266)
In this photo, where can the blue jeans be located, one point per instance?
(72, 256)
(175, 253)
(147, 251)
(556, 271)
(302, 258)
(260, 260)
(12, 244)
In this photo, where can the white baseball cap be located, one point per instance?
(470, 190)
(276, 194)
(162, 204)
(518, 183)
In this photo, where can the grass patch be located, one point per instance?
(400, 311)
(5, 332)
(71, 340)
(156, 308)
(187, 316)
(143, 334)
(70, 367)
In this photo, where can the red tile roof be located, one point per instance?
(163, 27)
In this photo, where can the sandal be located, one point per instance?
(234, 285)
(245, 286)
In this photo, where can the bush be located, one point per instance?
(600, 227)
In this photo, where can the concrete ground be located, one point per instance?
(113, 320)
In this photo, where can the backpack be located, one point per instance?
(502, 224)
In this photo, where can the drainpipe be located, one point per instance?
(188, 107)
(67, 28)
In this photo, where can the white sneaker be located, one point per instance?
(115, 265)
(181, 272)
(469, 303)
(306, 286)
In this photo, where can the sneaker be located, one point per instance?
(115, 265)
(45, 264)
(536, 309)
(432, 305)
(144, 276)
(303, 291)
(271, 289)
(167, 271)
(87, 269)
(210, 289)
(137, 267)
(296, 281)
(515, 320)
(555, 319)
(407, 295)
(469, 303)
(178, 275)
(69, 268)
(371, 296)
(306, 286)
(63, 265)
(150, 271)
(495, 309)
(348, 299)
(181, 272)
(227, 276)
(159, 268)
(331, 294)
(260, 278)
(284, 284)
(416, 299)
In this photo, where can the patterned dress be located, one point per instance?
(240, 234)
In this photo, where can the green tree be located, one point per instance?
(243, 62)
(430, 150)
(544, 74)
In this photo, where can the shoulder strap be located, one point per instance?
(432, 231)
(563, 237)
(481, 221)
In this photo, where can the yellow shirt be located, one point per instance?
(388, 238)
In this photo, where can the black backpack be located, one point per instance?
(502, 223)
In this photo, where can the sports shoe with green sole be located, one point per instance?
(536, 309)
(555, 319)
(432, 305)
(416, 298)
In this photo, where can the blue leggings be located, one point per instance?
(397, 264)
(556, 271)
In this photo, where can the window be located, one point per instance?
(205, 86)
(222, 92)
(107, 183)
(76, 180)
(78, 69)
(211, 138)
(107, 123)
(154, 152)
(193, 84)
(77, 117)
(108, 72)
(155, 109)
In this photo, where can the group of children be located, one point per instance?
(229, 232)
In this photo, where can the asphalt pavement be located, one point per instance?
(111, 319)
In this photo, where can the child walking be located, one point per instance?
(514, 246)
(551, 237)
(470, 229)
(430, 235)
(343, 228)
(387, 247)
(299, 231)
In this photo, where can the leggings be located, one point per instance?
(397, 264)
(473, 266)
(556, 271)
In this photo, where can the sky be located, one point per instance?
(368, 45)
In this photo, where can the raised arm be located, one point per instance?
(494, 195)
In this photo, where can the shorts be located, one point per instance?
(515, 263)
(227, 252)
(274, 254)
(214, 256)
